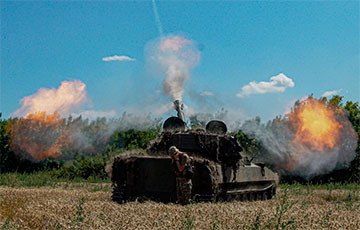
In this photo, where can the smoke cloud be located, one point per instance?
(311, 140)
(176, 56)
(41, 136)
(69, 95)
(93, 114)
(231, 117)
(43, 131)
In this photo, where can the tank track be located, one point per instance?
(249, 195)
(118, 194)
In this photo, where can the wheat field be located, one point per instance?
(80, 208)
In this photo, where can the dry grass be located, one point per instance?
(59, 208)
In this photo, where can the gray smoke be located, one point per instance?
(88, 140)
(200, 117)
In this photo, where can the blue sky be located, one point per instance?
(313, 43)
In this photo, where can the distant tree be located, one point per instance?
(353, 113)
(250, 145)
(7, 157)
(132, 139)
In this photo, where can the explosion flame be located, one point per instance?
(39, 134)
(316, 125)
(313, 139)
(324, 138)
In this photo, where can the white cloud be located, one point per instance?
(93, 114)
(277, 83)
(207, 93)
(118, 58)
(330, 93)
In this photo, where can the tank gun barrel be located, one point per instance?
(179, 106)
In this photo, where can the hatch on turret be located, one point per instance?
(174, 124)
(216, 127)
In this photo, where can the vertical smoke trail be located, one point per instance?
(157, 19)
(176, 55)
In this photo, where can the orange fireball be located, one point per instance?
(316, 125)
(39, 134)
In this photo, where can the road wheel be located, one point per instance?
(118, 194)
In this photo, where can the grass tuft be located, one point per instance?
(79, 216)
(87, 205)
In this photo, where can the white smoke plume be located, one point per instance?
(69, 95)
(293, 156)
(176, 56)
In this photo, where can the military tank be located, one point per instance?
(221, 172)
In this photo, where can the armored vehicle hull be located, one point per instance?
(220, 172)
(153, 178)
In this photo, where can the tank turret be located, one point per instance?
(212, 143)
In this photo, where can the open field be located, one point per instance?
(83, 207)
